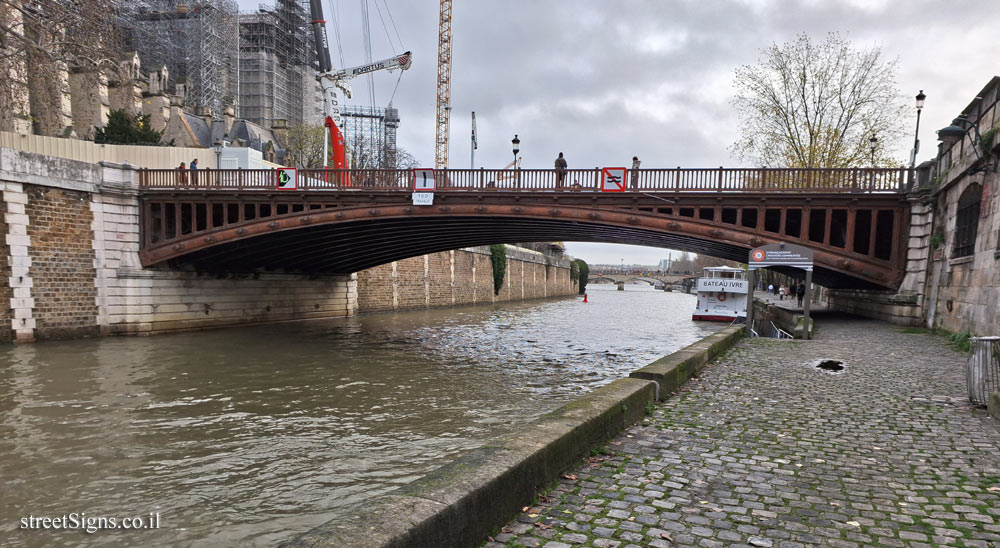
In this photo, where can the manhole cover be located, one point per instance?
(830, 366)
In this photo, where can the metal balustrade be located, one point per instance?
(835, 180)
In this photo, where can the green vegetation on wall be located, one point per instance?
(498, 256)
(579, 271)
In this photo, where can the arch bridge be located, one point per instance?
(651, 279)
(343, 221)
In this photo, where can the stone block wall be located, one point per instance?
(461, 277)
(62, 261)
(965, 291)
(6, 293)
(71, 260)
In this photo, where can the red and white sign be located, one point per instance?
(758, 255)
(423, 180)
(286, 179)
(613, 179)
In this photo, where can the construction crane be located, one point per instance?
(443, 87)
(331, 81)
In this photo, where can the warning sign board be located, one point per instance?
(286, 179)
(613, 179)
(423, 180)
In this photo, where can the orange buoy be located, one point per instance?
(584, 297)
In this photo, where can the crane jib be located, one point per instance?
(367, 68)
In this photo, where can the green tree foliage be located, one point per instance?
(582, 271)
(809, 104)
(125, 129)
(305, 146)
(498, 256)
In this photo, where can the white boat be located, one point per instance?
(722, 294)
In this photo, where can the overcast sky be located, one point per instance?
(604, 80)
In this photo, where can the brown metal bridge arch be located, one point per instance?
(349, 220)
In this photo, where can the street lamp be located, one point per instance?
(956, 132)
(516, 143)
(217, 147)
(873, 141)
(916, 135)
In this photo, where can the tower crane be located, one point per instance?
(331, 80)
(443, 125)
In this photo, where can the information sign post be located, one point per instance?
(782, 254)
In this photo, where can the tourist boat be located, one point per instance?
(722, 294)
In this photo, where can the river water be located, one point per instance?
(248, 436)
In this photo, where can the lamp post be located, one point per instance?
(516, 145)
(873, 141)
(916, 134)
(217, 147)
(956, 132)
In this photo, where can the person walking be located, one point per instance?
(561, 166)
(770, 289)
(800, 292)
(635, 172)
(781, 293)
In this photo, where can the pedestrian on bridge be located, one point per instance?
(194, 171)
(800, 292)
(561, 166)
(635, 172)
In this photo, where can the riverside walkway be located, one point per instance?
(766, 450)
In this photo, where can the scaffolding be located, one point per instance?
(278, 65)
(197, 41)
(370, 134)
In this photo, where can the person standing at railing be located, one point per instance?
(194, 171)
(182, 177)
(635, 172)
(561, 166)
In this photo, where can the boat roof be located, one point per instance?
(723, 269)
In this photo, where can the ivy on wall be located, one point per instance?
(498, 256)
(579, 271)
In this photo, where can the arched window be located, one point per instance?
(967, 220)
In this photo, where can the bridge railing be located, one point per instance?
(642, 180)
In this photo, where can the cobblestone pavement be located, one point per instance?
(767, 450)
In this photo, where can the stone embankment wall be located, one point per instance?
(70, 258)
(463, 276)
(70, 255)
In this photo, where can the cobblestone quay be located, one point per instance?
(766, 450)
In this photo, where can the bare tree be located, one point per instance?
(367, 154)
(40, 40)
(83, 34)
(305, 149)
(808, 104)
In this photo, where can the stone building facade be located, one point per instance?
(963, 274)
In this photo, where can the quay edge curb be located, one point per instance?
(993, 405)
(670, 372)
(459, 504)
